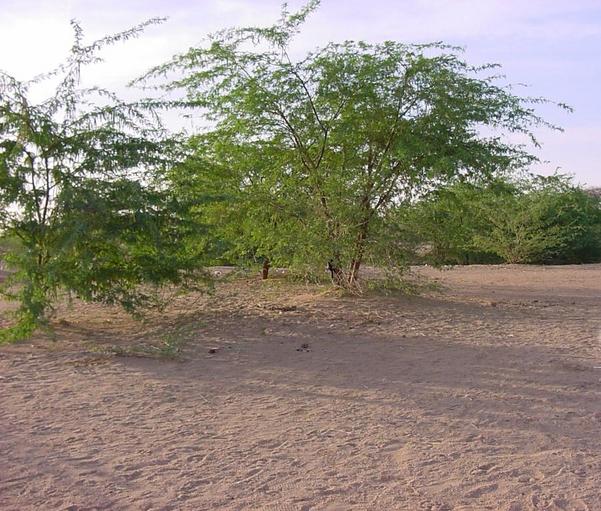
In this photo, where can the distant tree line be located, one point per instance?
(536, 220)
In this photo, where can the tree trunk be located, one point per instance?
(266, 267)
(354, 271)
(359, 251)
(335, 271)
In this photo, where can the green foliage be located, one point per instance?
(307, 161)
(81, 188)
(313, 156)
(9, 245)
(121, 233)
(442, 226)
(547, 221)
(541, 220)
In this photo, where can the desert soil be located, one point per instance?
(482, 394)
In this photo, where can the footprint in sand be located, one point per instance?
(481, 490)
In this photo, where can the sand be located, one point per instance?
(483, 394)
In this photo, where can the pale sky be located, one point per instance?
(554, 46)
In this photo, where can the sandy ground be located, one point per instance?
(483, 395)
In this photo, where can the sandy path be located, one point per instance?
(486, 396)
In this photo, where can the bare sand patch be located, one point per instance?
(484, 395)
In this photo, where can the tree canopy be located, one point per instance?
(81, 189)
(314, 153)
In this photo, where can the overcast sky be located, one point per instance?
(554, 46)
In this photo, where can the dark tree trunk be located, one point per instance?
(266, 267)
(359, 251)
(335, 271)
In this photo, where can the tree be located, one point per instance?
(546, 220)
(318, 151)
(443, 225)
(81, 189)
(533, 219)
